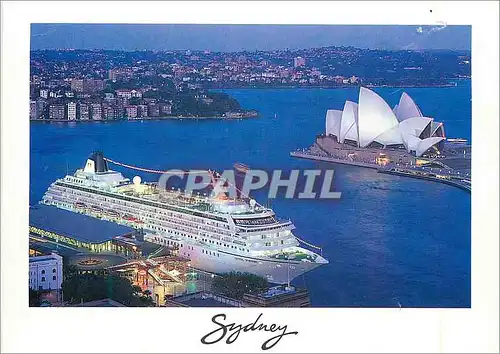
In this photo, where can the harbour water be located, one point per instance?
(391, 241)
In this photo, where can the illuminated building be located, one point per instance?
(46, 272)
(81, 232)
(371, 123)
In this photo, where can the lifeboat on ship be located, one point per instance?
(112, 213)
(80, 205)
(128, 217)
(96, 208)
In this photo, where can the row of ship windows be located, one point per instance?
(133, 208)
(210, 253)
(117, 198)
(154, 227)
(167, 242)
(220, 225)
(267, 244)
(261, 229)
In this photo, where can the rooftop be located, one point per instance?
(49, 257)
(276, 291)
(100, 303)
(74, 225)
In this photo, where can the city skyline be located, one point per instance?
(234, 38)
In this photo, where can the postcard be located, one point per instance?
(243, 185)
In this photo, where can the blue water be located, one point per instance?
(389, 239)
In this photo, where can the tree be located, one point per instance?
(34, 298)
(90, 287)
(236, 284)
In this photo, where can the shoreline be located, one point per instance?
(330, 87)
(380, 169)
(140, 119)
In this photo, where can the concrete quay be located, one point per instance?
(449, 176)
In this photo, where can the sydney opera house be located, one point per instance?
(371, 123)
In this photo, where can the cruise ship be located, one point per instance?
(218, 234)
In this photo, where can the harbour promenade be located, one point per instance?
(441, 174)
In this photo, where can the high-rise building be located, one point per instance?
(142, 110)
(154, 110)
(71, 110)
(298, 62)
(84, 111)
(96, 111)
(109, 112)
(33, 111)
(56, 111)
(131, 112)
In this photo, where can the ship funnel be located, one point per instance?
(96, 163)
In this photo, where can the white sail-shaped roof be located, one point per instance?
(349, 122)
(407, 108)
(372, 120)
(390, 137)
(333, 118)
(426, 144)
(374, 116)
(414, 125)
(437, 129)
(411, 142)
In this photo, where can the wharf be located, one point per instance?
(453, 181)
(318, 157)
(450, 179)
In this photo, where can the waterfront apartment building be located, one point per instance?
(71, 110)
(84, 111)
(46, 272)
(110, 112)
(36, 109)
(56, 111)
(33, 109)
(154, 110)
(142, 110)
(96, 110)
(131, 112)
(165, 109)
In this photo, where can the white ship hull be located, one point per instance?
(218, 235)
(274, 270)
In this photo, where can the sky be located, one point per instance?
(231, 38)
